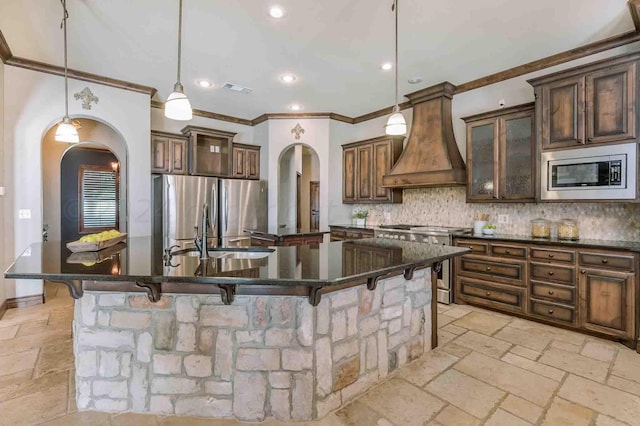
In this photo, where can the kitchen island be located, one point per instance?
(283, 332)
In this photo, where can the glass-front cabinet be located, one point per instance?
(500, 155)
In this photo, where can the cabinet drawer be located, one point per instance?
(609, 261)
(490, 294)
(476, 247)
(553, 255)
(508, 251)
(553, 293)
(512, 272)
(553, 312)
(556, 273)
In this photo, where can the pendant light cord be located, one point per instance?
(396, 15)
(179, 40)
(63, 25)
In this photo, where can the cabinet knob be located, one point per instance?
(488, 293)
(471, 247)
(551, 311)
(488, 268)
(579, 140)
(507, 251)
(589, 139)
(551, 292)
(551, 255)
(551, 273)
(605, 261)
(582, 271)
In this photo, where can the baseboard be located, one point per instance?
(3, 308)
(22, 302)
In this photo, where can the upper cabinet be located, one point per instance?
(593, 104)
(168, 153)
(246, 161)
(364, 163)
(501, 155)
(210, 151)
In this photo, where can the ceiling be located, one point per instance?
(334, 47)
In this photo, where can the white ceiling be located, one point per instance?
(335, 47)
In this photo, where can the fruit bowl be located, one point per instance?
(82, 246)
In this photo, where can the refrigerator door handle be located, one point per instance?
(214, 210)
(226, 209)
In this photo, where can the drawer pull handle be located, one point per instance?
(488, 293)
(507, 251)
(551, 292)
(551, 311)
(605, 261)
(471, 247)
(488, 268)
(551, 273)
(550, 254)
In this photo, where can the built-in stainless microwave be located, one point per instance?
(593, 173)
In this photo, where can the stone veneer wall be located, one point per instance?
(260, 357)
(447, 207)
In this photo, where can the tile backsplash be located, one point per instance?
(447, 207)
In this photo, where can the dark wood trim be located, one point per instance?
(499, 112)
(553, 60)
(168, 134)
(372, 141)
(5, 53)
(79, 75)
(221, 117)
(3, 308)
(434, 305)
(342, 118)
(246, 146)
(293, 115)
(23, 302)
(634, 9)
(380, 113)
(187, 130)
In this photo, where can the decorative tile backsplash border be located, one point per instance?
(447, 207)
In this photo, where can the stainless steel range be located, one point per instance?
(442, 235)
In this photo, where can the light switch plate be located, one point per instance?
(24, 214)
(503, 218)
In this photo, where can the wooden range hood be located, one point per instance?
(431, 157)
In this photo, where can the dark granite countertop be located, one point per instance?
(350, 226)
(584, 243)
(321, 265)
(286, 232)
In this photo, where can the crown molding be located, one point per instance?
(5, 52)
(634, 9)
(553, 60)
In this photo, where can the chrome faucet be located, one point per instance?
(201, 241)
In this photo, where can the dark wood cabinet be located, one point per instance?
(168, 153)
(267, 240)
(364, 165)
(246, 161)
(340, 233)
(593, 290)
(501, 155)
(592, 104)
(210, 151)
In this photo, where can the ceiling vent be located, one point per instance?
(237, 88)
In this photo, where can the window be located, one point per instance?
(99, 198)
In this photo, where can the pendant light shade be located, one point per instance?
(396, 124)
(177, 106)
(66, 132)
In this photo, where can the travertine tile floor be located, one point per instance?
(490, 369)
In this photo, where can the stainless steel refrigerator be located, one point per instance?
(234, 205)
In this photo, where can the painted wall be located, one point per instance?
(310, 173)
(33, 104)
(287, 189)
(446, 206)
(4, 257)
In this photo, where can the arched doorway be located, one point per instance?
(84, 184)
(299, 188)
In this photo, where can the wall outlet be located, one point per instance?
(387, 216)
(503, 218)
(24, 214)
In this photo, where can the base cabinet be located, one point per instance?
(590, 290)
(607, 302)
(341, 233)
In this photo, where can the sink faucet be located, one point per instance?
(201, 241)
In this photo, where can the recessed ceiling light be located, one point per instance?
(295, 107)
(276, 12)
(415, 80)
(204, 83)
(386, 66)
(288, 78)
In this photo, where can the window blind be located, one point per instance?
(99, 202)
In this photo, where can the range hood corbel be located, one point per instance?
(431, 157)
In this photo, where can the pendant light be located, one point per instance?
(177, 106)
(66, 132)
(396, 125)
